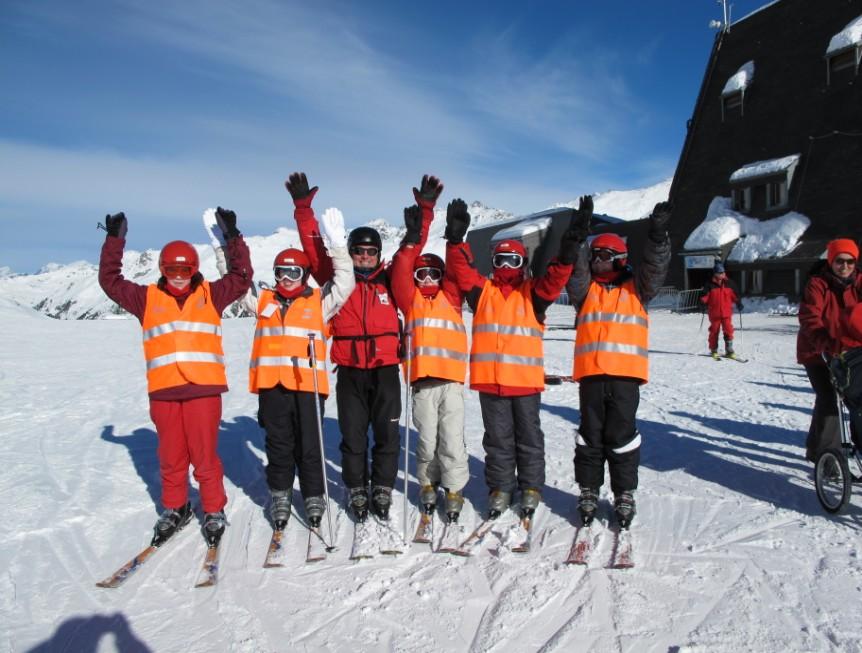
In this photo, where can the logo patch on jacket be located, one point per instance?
(383, 298)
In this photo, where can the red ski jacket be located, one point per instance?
(825, 298)
(719, 297)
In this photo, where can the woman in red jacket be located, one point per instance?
(719, 295)
(835, 286)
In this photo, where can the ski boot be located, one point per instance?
(714, 354)
(587, 504)
(314, 509)
(428, 498)
(279, 507)
(381, 499)
(728, 349)
(214, 525)
(530, 500)
(498, 501)
(624, 507)
(454, 503)
(358, 501)
(169, 522)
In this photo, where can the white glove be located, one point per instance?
(332, 227)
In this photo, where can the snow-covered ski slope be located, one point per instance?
(732, 550)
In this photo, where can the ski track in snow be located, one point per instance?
(732, 549)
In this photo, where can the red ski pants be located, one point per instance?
(723, 323)
(188, 433)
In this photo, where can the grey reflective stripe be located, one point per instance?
(506, 359)
(440, 353)
(285, 361)
(436, 323)
(287, 331)
(631, 446)
(618, 318)
(507, 330)
(179, 325)
(184, 357)
(613, 347)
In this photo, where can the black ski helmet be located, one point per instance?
(364, 236)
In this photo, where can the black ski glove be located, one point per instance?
(457, 221)
(297, 186)
(582, 218)
(226, 220)
(116, 225)
(429, 190)
(659, 221)
(570, 241)
(413, 222)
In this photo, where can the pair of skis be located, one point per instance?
(316, 549)
(518, 538)
(374, 536)
(581, 550)
(207, 576)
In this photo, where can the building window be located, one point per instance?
(731, 105)
(843, 52)
(742, 199)
(733, 93)
(776, 194)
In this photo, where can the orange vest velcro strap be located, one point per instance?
(280, 351)
(612, 334)
(182, 345)
(507, 345)
(438, 340)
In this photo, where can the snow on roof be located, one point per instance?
(757, 239)
(740, 80)
(522, 229)
(764, 168)
(847, 37)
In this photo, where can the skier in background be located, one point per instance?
(719, 296)
(280, 372)
(431, 303)
(507, 357)
(834, 286)
(181, 320)
(366, 339)
(611, 355)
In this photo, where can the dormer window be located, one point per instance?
(763, 185)
(844, 52)
(733, 94)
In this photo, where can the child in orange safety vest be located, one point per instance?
(280, 371)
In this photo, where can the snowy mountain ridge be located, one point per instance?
(71, 291)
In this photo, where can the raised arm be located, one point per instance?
(309, 231)
(656, 262)
(336, 292)
(401, 272)
(460, 264)
(237, 281)
(578, 252)
(127, 294)
(548, 288)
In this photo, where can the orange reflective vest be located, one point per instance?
(613, 333)
(507, 339)
(182, 345)
(438, 339)
(280, 353)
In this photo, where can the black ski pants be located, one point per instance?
(369, 398)
(824, 431)
(608, 432)
(513, 441)
(292, 440)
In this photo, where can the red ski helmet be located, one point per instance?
(291, 256)
(429, 261)
(179, 252)
(510, 247)
(611, 242)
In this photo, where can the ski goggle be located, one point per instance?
(435, 274)
(178, 271)
(605, 255)
(364, 250)
(508, 260)
(849, 262)
(289, 272)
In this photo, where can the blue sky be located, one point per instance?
(162, 109)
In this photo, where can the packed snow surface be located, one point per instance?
(732, 549)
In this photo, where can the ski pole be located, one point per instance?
(409, 349)
(313, 355)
